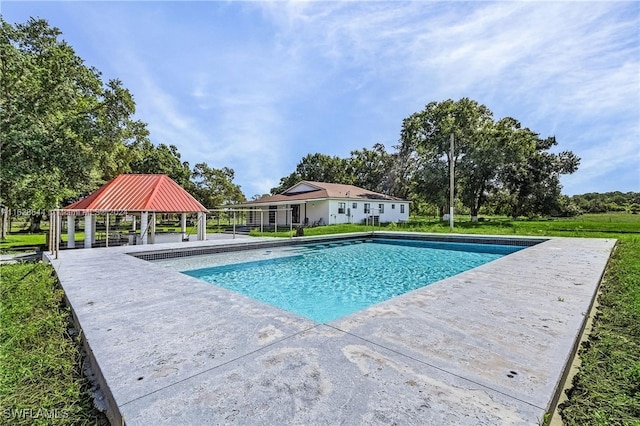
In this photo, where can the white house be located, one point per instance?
(319, 203)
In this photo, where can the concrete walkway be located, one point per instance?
(486, 347)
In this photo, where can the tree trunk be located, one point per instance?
(444, 215)
(5, 222)
(474, 214)
(34, 225)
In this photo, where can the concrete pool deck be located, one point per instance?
(488, 346)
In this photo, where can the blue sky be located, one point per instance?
(256, 86)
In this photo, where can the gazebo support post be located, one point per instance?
(202, 226)
(152, 229)
(183, 226)
(58, 235)
(88, 231)
(51, 233)
(71, 231)
(94, 220)
(106, 228)
(144, 222)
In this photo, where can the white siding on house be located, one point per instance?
(327, 212)
(317, 210)
(318, 203)
(316, 213)
(391, 211)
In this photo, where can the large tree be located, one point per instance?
(491, 148)
(371, 169)
(62, 130)
(163, 159)
(215, 188)
(500, 159)
(318, 168)
(374, 169)
(425, 145)
(532, 180)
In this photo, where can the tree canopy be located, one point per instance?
(215, 187)
(161, 159)
(318, 168)
(494, 160)
(616, 201)
(64, 131)
(491, 158)
(366, 168)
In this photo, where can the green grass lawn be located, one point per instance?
(41, 362)
(607, 389)
(41, 379)
(21, 240)
(594, 225)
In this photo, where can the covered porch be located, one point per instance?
(285, 213)
(277, 214)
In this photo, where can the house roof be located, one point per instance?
(140, 192)
(310, 190)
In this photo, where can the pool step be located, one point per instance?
(322, 246)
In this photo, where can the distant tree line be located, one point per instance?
(64, 131)
(608, 202)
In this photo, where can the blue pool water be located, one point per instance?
(324, 282)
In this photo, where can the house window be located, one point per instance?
(341, 207)
(252, 216)
(272, 214)
(393, 206)
(367, 208)
(401, 208)
(380, 208)
(354, 206)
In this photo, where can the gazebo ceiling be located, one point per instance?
(140, 193)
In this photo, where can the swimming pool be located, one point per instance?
(325, 281)
(453, 342)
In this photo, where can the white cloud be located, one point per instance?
(255, 86)
(556, 67)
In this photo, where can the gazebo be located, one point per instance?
(136, 195)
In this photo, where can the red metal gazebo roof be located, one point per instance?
(140, 193)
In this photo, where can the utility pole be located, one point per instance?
(451, 183)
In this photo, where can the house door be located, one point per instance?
(295, 213)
